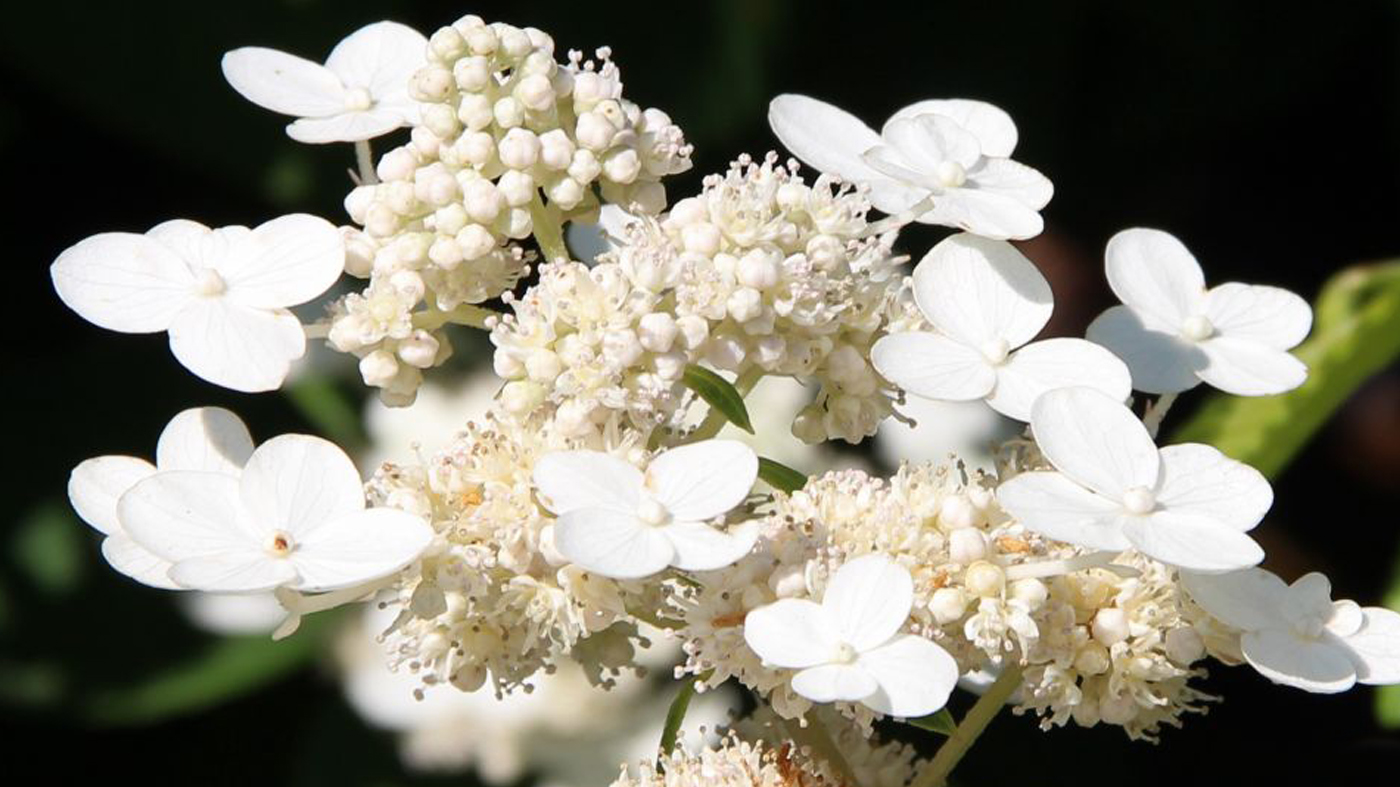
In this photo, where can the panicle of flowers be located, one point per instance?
(734, 763)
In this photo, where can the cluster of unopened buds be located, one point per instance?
(1087, 576)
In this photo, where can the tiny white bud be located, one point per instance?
(694, 330)
(984, 579)
(556, 149)
(622, 166)
(508, 112)
(420, 349)
(431, 84)
(584, 168)
(378, 368)
(397, 164)
(745, 304)
(955, 512)
(567, 193)
(517, 187)
(948, 605)
(483, 201)
(520, 397)
(1031, 591)
(473, 74)
(475, 241)
(543, 366)
(701, 237)
(535, 92)
(1092, 659)
(656, 331)
(519, 148)
(967, 545)
(1110, 626)
(593, 131)
(760, 269)
(1184, 645)
(621, 348)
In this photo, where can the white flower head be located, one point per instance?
(986, 300)
(201, 439)
(848, 648)
(955, 151)
(360, 93)
(222, 294)
(295, 519)
(1297, 635)
(1186, 505)
(1174, 333)
(622, 523)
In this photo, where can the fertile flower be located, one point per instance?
(360, 93)
(1186, 505)
(623, 524)
(848, 647)
(1174, 333)
(221, 294)
(1297, 635)
(944, 161)
(201, 439)
(986, 299)
(296, 518)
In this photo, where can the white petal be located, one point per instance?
(869, 598)
(1250, 599)
(989, 214)
(299, 483)
(135, 561)
(569, 480)
(200, 247)
(1160, 362)
(1346, 619)
(834, 683)
(1094, 440)
(284, 262)
(700, 547)
(612, 544)
(1248, 368)
(894, 197)
(355, 548)
(379, 57)
(792, 633)
(183, 514)
(211, 439)
(245, 349)
(1192, 542)
(1309, 597)
(1056, 363)
(1375, 649)
(1152, 272)
(933, 366)
(824, 137)
(231, 614)
(349, 126)
(925, 141)
(1011, 179)
(284, 83)
(247, 570)
(1198, 479)
(980, 291)
(1056, 507)
(1271, 316)
(915, 676)
(123, 282)
(1321, 667)
(704, 479)
(994, 129)
(96, 484)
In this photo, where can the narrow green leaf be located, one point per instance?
(1388, 697)
(322, 403)
(1356, 332)
(941, 722)
(719, 393)
(675, 715)
(48, 547)
(780, 476)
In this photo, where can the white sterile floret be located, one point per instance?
(201, 439)
(1297, 635)
(942, 162)
(296, 518)
(1186, 505)
(1174, 333)
(624, 524)
(360, 93)
(222, 294)
(849, 647)
(986, 300)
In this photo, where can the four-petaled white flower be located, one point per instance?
(621, 523)
(848, 648)
(1174, 333)
(201, 439)
(222, 294)
(986, 299)
(1186, 505)
(943, 161)
(360, 93)
(1297, 635)
(295, 518)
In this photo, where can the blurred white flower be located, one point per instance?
(943, 161)
(360, 93)
(965, 429)
(437, 416)
(1174, 333)
(233, 613)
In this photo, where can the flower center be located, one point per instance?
(280, 543)
(1139, 500)
(1197, 327)
(1309, 626)
(950, 174)
(845, 654)
(996, 351)
(209, 283)
(357, 99)
(653, 513)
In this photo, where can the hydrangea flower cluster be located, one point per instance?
(1087, 575)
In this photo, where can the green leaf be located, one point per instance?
(48, 548)
(328, 409)
(719, 393)
(941, 722)
(1356, 332)
(675, 715)
(1388, 697)
(780, 476)
(229, 668)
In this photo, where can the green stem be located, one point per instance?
(675, 715)
(364, 157)
(716, 420)
(548, 230)
(464, 314)
(971, 727)
(816, 737)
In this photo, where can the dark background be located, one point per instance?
(1265, 135)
